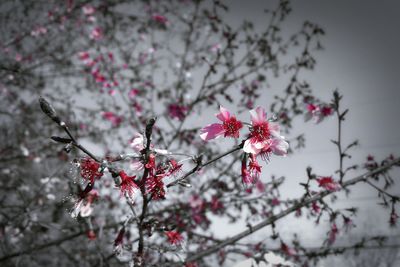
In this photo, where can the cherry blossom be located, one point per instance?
(113, 118)
(90, 169)
(264, 136)
(328, 183)
(174, 237)
(229, 127)
(176, 111)
(159, 18)
(317, 112)
(88, 10)
(96, 34)
(128, 186)
(333, 234)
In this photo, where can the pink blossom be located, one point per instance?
(96, 34)
(215, 48)
(287, 250)
(113, 118)
(39, 30)
(133, 93)
(174, 237)
(254, 168)
(128, 186)
(83, 55)
(275, 202)
(216, 205)
(159, 18)
(91, 235)
(328, 183)
(177, 111)
(156, 187)
(118, 242)
(88, 10)
(229, 127)
(264, 136)
(333, 234)
(90, 169)
(137, 142)
(315, 208)
(317, 113)
(18, 57)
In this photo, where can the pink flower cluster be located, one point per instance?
(263, 139)
(318, 112)
(328, 183)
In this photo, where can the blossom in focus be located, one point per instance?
(128, 186)
(156, 187)
(229, 127)
(174, 237)
(264, 136)
(328, 183)
(90, 169)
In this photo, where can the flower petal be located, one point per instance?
(257, 115)
(223, 115)
(212, 131)
(249, 147)
(279, 146)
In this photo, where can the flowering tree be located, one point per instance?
(137, 158)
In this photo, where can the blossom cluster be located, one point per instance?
(263, 139)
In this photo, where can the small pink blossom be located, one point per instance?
(174, 237)
(88, 10)
(91, 235)
(215, 48)
(128, 186)
(159, 18)
(83, 55)
(113, 118)
(333, 234)
(318, 113)
(275, 202)
(229, 127)
(18, 57)
(216, 205)
(39, 30)
(133, 93)
(118, 242)
(287, 250)
(96, 34)
(315, 207)
(328, 183)
(177, 111)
